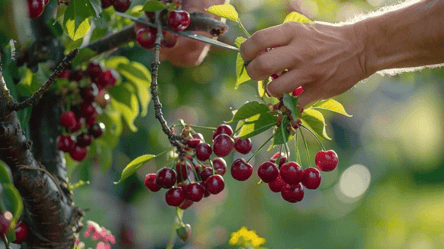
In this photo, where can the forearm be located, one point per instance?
(408, 37)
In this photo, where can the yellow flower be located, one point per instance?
(245, 238)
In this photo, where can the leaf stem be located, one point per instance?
(316, 137)
(243, 28)
(259, 149)
(306, 147)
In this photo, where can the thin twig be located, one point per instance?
(14, 106)
(175, 140)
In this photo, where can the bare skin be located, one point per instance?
(327, 60)
(188, 52)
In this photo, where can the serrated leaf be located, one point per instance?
(225, 11)
(331, 105)
(248, 110)
(256, 125)
(133, 166)
(296, 17)
(241, 73)
(76, 21)
(125, 101)
(291, 103)
(314, 120)
(153, 6)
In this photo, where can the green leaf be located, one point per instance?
(77, 18)
(282, 136)
(331, 105)
(291, 103)
(24, 116)
(296, 17)
(125, 101)
(261, 88)
(249, 109)
(5, 173)
(153, 6)
(133, 166)
(61, 9)
(256, 125)
(12, 201)
(55, 27)
(113, 122)
(241, 72)
(239, 40)
(83, 57)
(115, 61)
(224, 10)
(314, 120)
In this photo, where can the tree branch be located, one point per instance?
(14, 106)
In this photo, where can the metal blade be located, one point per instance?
(183, 33)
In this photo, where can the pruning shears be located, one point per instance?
(183, 33)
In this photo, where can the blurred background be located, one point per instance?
(387, 191)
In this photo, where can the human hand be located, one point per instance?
(325, 60)
(189, 52)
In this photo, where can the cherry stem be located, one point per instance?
(259, 149)
(316, 137)
(298, 153)
(175, 140)
(306, 146)
(283, 136)
(203, 127)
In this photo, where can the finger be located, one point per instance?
(279, 35)
(274, 61)
(311, 94)
(286, 83)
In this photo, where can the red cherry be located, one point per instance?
(106, 79)
(192, 142)
(297, 91)
(77, 75)
(84, 139)
(68, 119)
(277, 185)
(220, 166)
(151, 182)
(326, 160)
(223, 129)
(178, 20)
(146, 37)
(76, 127)
(97, 129)
(121, 5)
(65, 74)
(205, 173)
(90, 120)
(186, 204)
(46, 2)
(223, 145)
(65, 143)
(268, 172)
(291, 173)
(194, 191)
(21, 232)
(78, 153)
(107, 3)
(215, 184)
(94, 69)
(293, 193)
(89, 93)
(87, 109)
(182, 171)
(166, 177)
(312, 178)
(35, 8)
(241, 170)
(203, 151)
(243, 146)
(175, 197)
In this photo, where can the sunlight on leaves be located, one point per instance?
(296, 17)
(224, 10)
(133, 166)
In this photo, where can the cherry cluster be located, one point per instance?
(36, 8)
(289, 178)
(119, 5)
(21, 229)
(207, 178)
(176, 20)
(81, 120)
